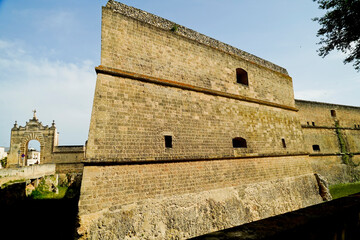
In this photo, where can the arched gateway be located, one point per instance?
(48, 139)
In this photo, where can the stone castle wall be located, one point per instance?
(156, 84)
(186, 199)
(185, 89)
(335, 129)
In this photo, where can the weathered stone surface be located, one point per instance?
(323, 187)
(193, 214)
(165, 24)
(154, 84)
(335, 129)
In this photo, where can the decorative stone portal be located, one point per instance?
(48, 139)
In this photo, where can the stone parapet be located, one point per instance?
(167, 25)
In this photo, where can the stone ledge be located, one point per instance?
(120, 73)
(117, 161)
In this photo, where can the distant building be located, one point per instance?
(3, 152)
(33, 157)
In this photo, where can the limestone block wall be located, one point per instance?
(325, 138)
(335, 130)
(330, 120)
(320, 114)
(333, 168)
(177, 147)
(352, 139)
(68, 154)
(186, 199)
(142, 43)
(69, 168)
(130, 119)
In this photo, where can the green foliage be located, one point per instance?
(174, 28)
(4, 185)
(346, 157)
(3, 162)
(40, 193)
(340, 29)
(346, 189)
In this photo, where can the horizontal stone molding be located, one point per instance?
(332, 154)
(102, 162)
(327, 127)
(140, 77)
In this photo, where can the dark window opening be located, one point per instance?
(308, 123)
(333, 113)
(242, 76)
(168, 141)
(358, 126)
(239, 142)
(283, 143)
(313, 123)
(316, 148)
(355, 126)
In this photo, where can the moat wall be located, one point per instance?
(178, 145)
(332, 137)
(186, 199)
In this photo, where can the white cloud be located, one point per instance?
(60, 91)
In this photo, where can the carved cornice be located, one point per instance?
(33, 125)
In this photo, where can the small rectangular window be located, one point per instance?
(239, 142)
(242, 76)
(333, 113)
(313, 123)
(283, 143)
(168, 141)
(316, 148)
(308, 123)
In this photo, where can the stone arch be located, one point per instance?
(32, 136)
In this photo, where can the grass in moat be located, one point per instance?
(344, 189)
(37, 194)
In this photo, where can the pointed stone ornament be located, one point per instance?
(34, 117)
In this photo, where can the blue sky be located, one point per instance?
(48, 51)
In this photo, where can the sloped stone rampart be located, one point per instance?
(125, 197)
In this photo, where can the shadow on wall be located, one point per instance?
(336, 219)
